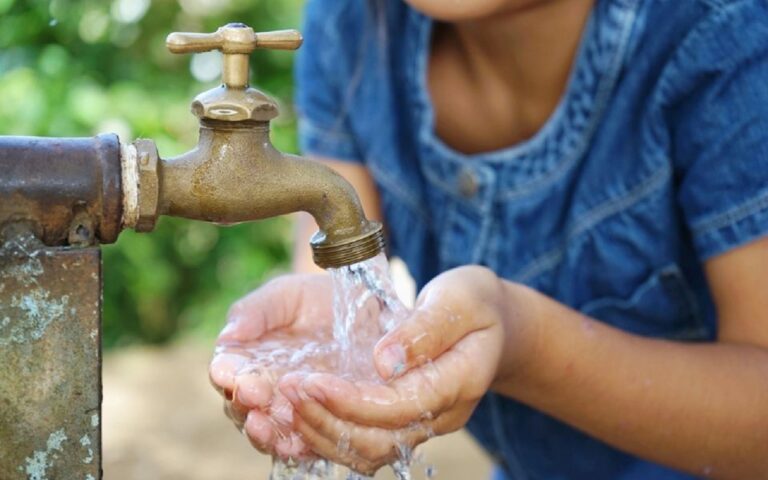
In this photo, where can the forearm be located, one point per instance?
(697, 407)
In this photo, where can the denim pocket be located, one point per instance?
(661, 306)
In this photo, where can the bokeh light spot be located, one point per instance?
(93, 25)
(129, 11)
(206, 67)
(5, 5)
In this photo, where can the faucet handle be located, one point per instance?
(236, 41)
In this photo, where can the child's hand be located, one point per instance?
(295, 306)
(442, 361)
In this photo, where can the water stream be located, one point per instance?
(365, 307)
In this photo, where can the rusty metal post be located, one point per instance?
(50, 361)
(54, 192)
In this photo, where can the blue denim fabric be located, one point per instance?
(655, 160)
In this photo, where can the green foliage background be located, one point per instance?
(82, 67)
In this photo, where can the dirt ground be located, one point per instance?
(163, 421)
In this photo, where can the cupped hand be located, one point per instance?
(439, 363)
(259, 344)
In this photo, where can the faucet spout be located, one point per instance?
(236, 175)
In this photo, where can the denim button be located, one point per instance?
(468, 184)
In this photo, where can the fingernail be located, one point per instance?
(314, 391)
(392, 359)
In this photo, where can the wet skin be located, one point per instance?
(433, 371)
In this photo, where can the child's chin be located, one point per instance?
(464, 10)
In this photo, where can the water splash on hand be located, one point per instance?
(365, 307)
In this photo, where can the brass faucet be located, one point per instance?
(234, 174)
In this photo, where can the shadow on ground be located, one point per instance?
(163, 421)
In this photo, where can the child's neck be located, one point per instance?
(531, 49)
(515, 67)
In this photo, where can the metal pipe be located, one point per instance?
(66, 190)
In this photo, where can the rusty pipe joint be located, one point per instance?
(64, 191)
(234, 175)
(141, 188)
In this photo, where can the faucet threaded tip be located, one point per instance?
(349, 251)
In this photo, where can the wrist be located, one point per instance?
(524, 334)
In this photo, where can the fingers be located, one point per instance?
(462, 374)
(419, 395)
(450, 307)
(335, 452)
(425, 335)
(366, 449)
(253, 390)
(281, 411)
(235, 413)
(267, 437)
(271, 432)
(291, 446)
(260, 431)
(363, 449)
(272, 306)
(249, 403)
(223, 370)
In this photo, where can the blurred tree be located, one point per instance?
(81, 67)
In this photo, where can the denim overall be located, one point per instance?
(655, 160)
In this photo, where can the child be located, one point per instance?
(605, 165)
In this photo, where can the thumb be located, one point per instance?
(271, 307)
(453, 305)
(428, 332)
